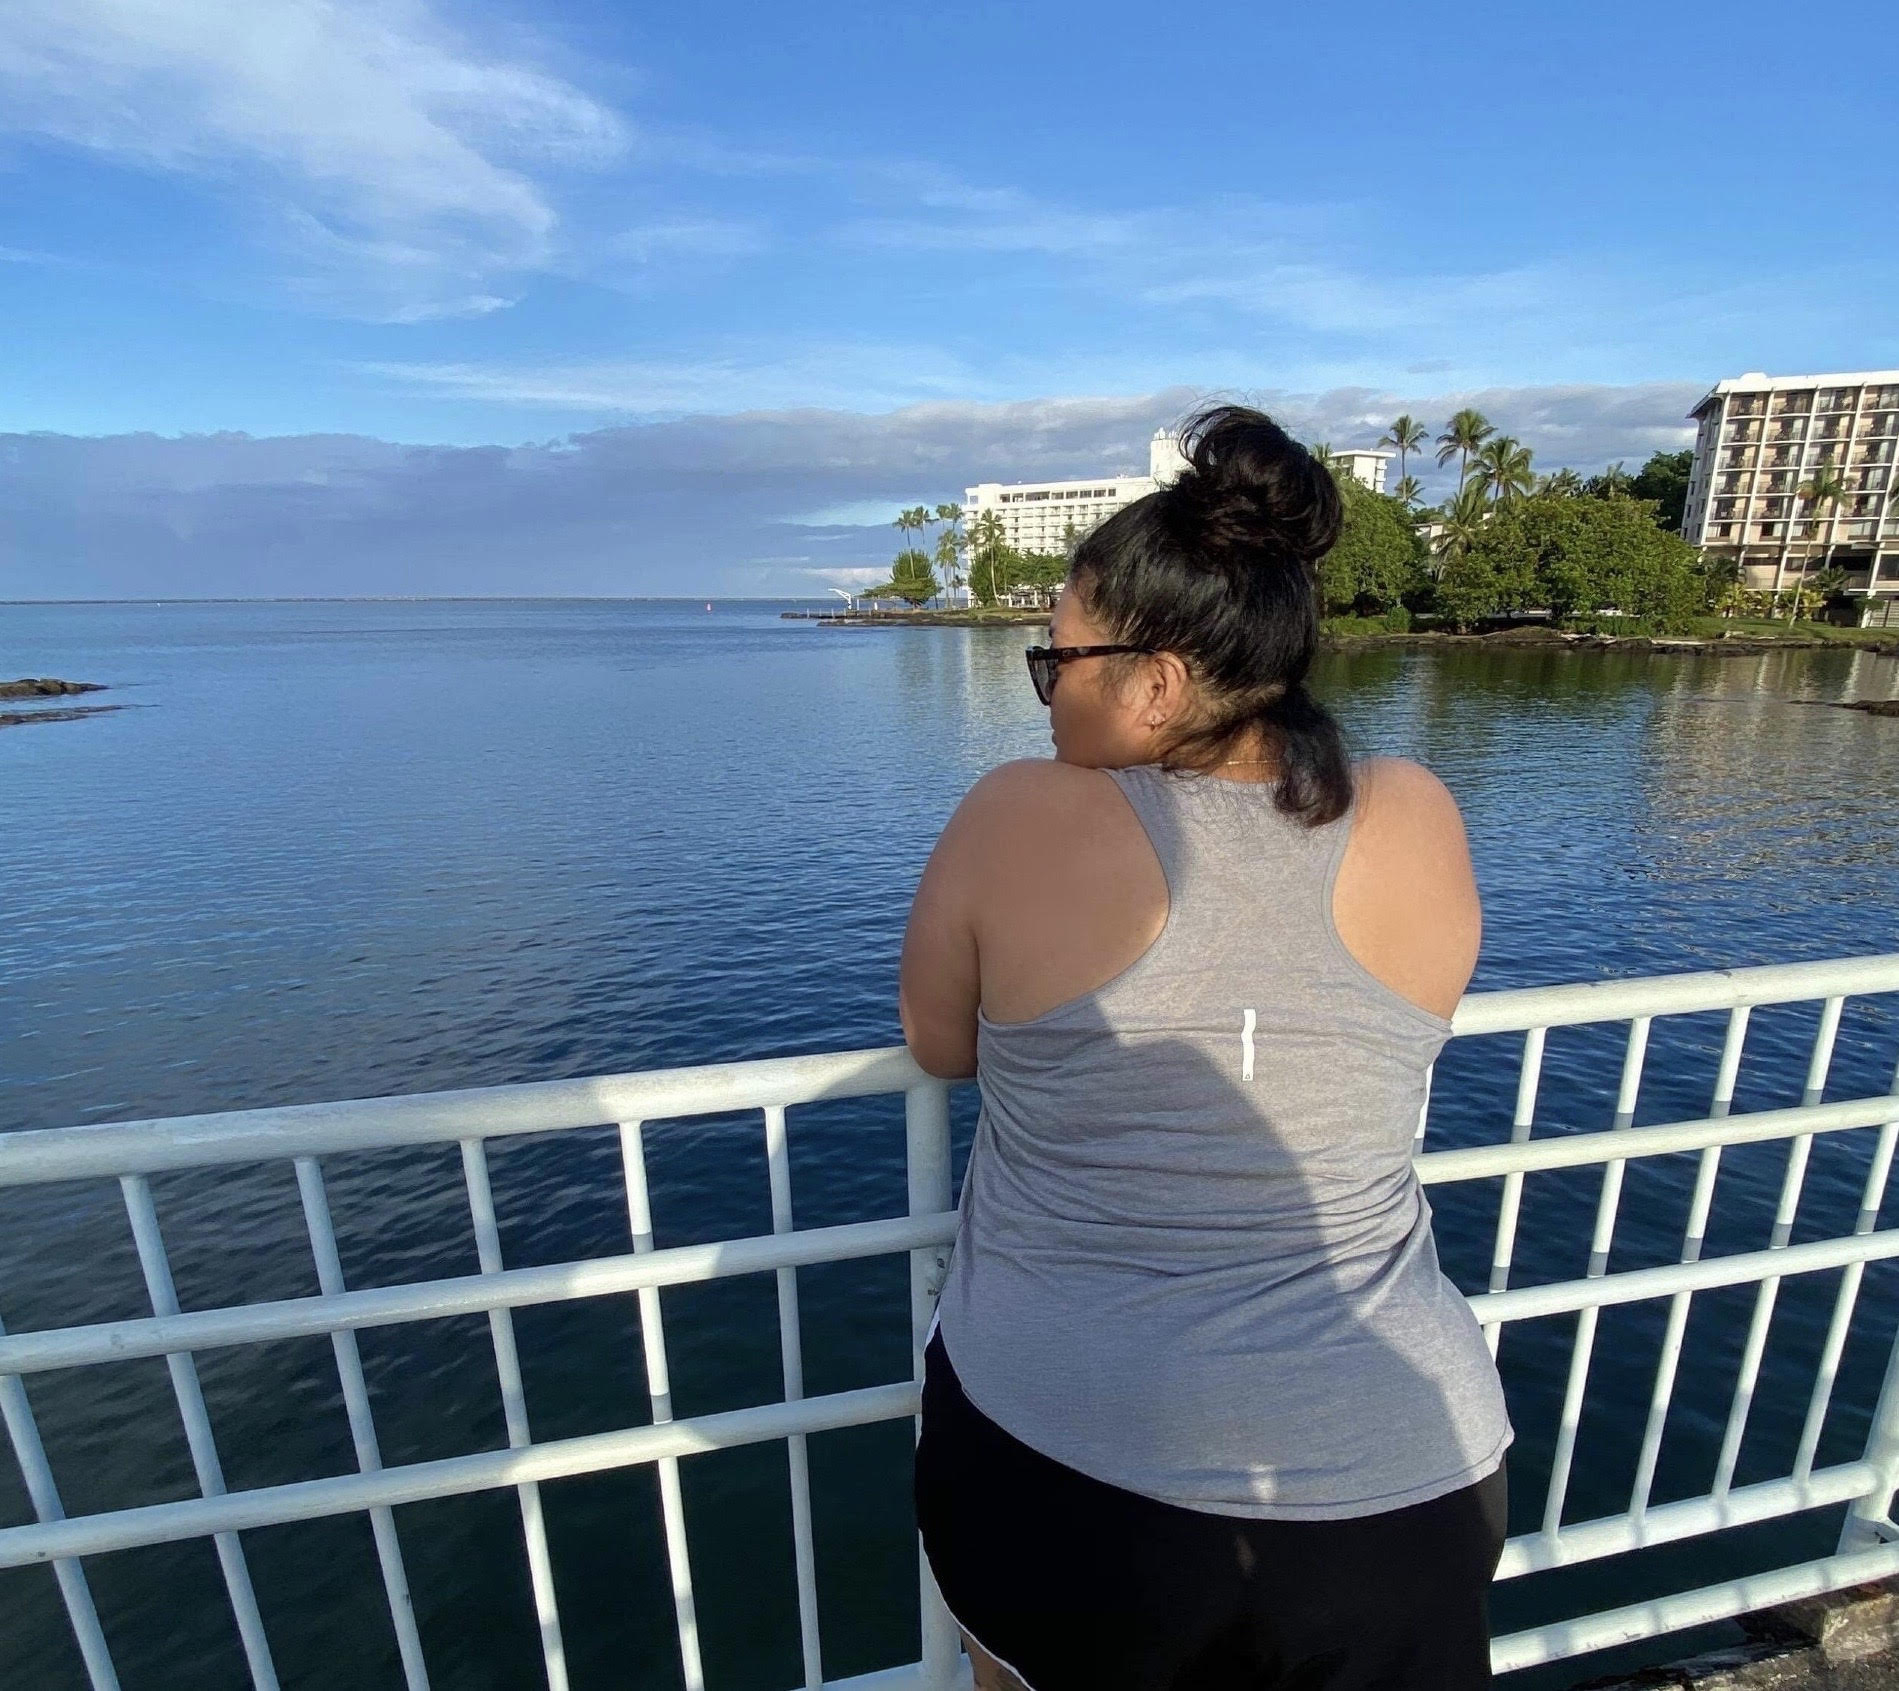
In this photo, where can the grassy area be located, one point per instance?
(1712, 628)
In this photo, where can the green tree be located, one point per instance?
(1407, 492)
(1377, 555)
(1564, 482)
(1405, 436)
(1574, 558)
(1462, 436)
(911, 578)
(1501, 467)
(1664, 480)
(914, 520)
(1321, 453)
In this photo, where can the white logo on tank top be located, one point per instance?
(1248, 1022)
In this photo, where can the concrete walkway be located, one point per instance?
(1846, 1642)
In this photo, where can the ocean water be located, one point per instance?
(339, 850)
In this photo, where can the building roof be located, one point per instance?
(1758, 381)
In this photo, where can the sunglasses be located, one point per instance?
(1045, 662)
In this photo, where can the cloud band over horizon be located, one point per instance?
(734, 505)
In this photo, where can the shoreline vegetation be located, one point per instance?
(1723, 636)
(1596, 560)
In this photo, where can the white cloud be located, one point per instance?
(741, 377)
(397, 151)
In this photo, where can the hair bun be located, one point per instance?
(1251, 493)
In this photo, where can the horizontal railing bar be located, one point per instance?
(468, 1294)
(1652, 1619)
(1665, 1523)
(428, 1118)
(315, 1130)
(1634, 1285)
(452, 1476)
(1520, 1008)
(1578, 1150)
(74, 1347)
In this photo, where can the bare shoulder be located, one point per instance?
(1406, 902)
(1403, 805)
(1032, 795)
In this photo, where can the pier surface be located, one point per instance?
(1848, 1641)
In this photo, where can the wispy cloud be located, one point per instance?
(752, 376)
(405, 159)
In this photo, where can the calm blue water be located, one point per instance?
(338, 850)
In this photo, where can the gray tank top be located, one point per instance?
(1192, 1258)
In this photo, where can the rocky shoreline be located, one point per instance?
(46, 687)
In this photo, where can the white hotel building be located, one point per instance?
(1038, 516)
(1760, 439)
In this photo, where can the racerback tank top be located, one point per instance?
(1192, 1257)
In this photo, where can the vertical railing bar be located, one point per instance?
(1694, 1235)
(1424, 1111)
(672, 1501)
(791, 1347)
(1600, 1244)
(362, 1423)
(183, 1368)
(1872, 1199)
(927, 1163)
(1799, 1151)
(42, 1491)
(1529, 1076)
(481, 1208)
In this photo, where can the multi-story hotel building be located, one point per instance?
(1041, 516)
(1762, 438)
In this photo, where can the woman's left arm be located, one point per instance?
(940, 981)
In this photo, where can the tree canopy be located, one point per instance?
(1378, 552)
(1575, 558)
(1664, 479)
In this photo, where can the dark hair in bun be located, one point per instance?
(1220, 569)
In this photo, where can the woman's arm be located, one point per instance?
(940, 982)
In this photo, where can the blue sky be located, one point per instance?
(906, 246)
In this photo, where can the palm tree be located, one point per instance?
(1463, 520)
(1321, 453)
(1405, 436)
(950, 545)
(1502, 469)
(988, 558)
(1462, 435)
(1408, 490)
(1564, 482)
(1613, 483)
(915, 519)
(1823, 486)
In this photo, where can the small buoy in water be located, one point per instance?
(708, 605)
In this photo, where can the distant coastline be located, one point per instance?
(1721, 642)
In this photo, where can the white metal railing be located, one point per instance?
(304, 1135)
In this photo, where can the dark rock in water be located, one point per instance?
(45, 687)
(13, 718)
(1875, 707)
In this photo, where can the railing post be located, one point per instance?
(1868, 1522)
(927, 1153)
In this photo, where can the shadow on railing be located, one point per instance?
(132, 1152)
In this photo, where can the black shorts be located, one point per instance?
(1077, 1585)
